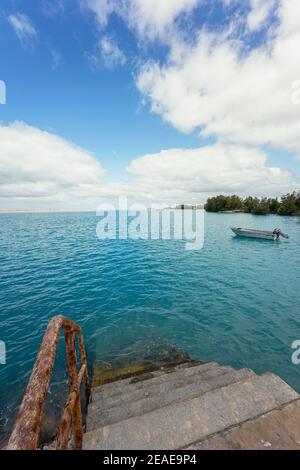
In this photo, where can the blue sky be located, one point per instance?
(121, 83)
(99, 109)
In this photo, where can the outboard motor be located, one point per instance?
(279, 233)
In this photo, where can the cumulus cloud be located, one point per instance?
(215, 88)
(23, 28)
(190, 175)
(40, 166)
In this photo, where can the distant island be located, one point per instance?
(25, 211)
(289, 204)
(43, 211)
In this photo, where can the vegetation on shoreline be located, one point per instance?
(289, 204)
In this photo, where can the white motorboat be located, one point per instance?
(262, 234)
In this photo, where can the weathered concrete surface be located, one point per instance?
(144, 381)
(191, 420)
(278, 429)
(106, 373)
(141, 401)
(155, 386)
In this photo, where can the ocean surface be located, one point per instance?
(236, 301)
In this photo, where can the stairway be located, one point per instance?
(194, 406)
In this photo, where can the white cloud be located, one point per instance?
(23, 28)
(39, 166)
(111, 53)
(108, 54)
(216, 89)
(150, 19)
(155, 18)
(260, 10)
(212, 87)
(190, 175)
(102, 9)
(39, 169)
(290, 17)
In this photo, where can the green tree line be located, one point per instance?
(289, 204)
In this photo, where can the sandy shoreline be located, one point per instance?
(39, 211)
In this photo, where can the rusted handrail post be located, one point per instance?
(65, 423)
(73, 385)
(83, 359)
(26, 432)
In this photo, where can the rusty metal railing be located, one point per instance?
(26, 432)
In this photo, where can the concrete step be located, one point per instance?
(105, 373)
(278, 429)
(141, 380)
(180, 424)
(144, 381)
(156, 386)
(138, 402)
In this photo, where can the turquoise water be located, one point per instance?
(236, 301)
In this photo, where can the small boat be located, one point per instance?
(262, 234)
